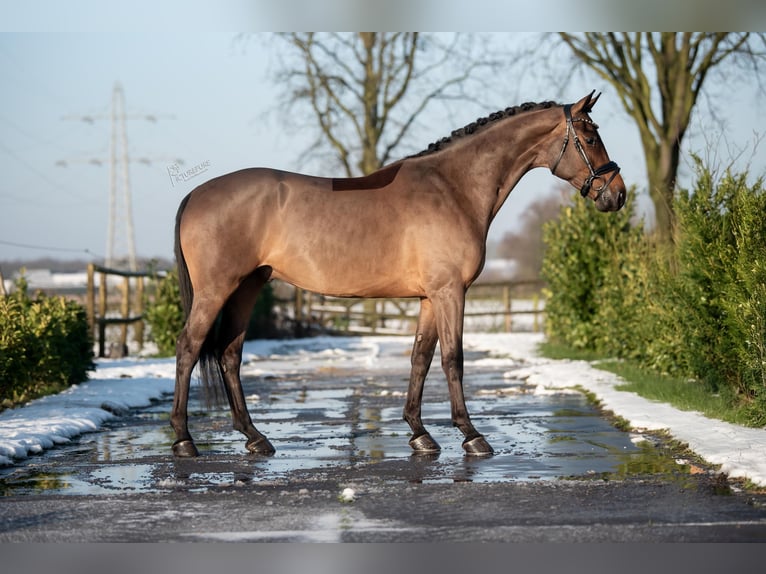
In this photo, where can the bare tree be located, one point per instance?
(659, 78)
(366, 91)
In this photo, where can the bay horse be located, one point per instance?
(415, 228)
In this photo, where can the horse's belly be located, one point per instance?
(347, 275)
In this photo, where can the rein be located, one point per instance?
(595, 174)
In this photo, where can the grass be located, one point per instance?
(556, 351)
(686, 395)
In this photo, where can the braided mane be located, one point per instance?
(482, 123)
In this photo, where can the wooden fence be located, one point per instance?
(500, 304)
(489, 307)
(99, 302)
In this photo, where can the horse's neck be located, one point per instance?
(509, 151)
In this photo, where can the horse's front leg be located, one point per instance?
(422, 354)
(449, 308)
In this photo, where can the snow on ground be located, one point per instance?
(119, 385)
(115, 388)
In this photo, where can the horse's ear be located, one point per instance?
(586, 104)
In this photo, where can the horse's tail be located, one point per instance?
(184, 281)
(209, 369)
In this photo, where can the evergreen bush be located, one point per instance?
(45, 345)
(695, 309)
(591, 266)
(164, 314)
(720, 285)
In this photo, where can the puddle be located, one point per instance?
(105, 480)
(347, 426)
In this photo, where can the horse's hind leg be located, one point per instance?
(236, 315)
(188, 347)
(422, 355)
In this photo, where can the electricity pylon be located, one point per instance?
(120, 235)
(120, 204)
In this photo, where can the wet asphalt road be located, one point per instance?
(562, 472)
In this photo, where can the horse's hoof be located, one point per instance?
(185, 448)
(260, 446)
(424, 444)
(477, 446)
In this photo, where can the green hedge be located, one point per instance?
(696, 309)
(593, 267)
(720, 284)
(45, 345)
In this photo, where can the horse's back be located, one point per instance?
(383, 235)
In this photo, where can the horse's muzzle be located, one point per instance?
(612, 198)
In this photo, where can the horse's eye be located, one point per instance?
(590, 141)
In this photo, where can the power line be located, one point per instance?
(49, 248)
(41, 174)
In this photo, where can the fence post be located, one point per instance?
(321, 310)
(298, 311)
(125, 310)
(507, 304)
(139, 327)
(90, 300)
(101, 313)
(536, 305)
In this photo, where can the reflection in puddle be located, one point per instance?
(322, 430)
(136, 477)
(327, 527)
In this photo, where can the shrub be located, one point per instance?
(594, 277)
(45, 345)
(720, 284)
(164, 314)
(695, 309)
(261, 323)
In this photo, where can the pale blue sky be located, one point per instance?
(207, 94)
(216, 103)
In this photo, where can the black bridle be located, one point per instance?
(594, 173)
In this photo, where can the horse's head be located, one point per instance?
(585, 163)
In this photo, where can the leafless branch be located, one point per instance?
(365, 92)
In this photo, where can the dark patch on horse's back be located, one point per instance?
(376, 180)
